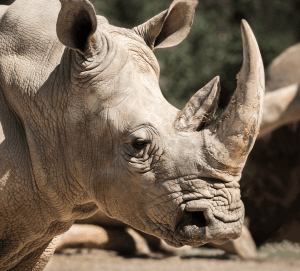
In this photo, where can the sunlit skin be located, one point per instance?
(85, 127)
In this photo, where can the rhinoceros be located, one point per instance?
(84, 126)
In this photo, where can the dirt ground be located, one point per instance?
(278, 257)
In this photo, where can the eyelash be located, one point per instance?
(139, 144)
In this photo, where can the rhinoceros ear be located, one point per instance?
(76, 25)
(169, 27)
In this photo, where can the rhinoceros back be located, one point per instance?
(284, 69)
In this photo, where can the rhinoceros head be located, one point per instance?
(167, 172)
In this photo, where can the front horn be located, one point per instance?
(229, 140)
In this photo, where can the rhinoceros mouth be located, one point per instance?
(199, 223)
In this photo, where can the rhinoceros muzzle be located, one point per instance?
(198, 223)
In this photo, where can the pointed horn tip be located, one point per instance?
(216, 79)
(244, 24)
(191, 3)
(246, 29)
(247, 33)
(195, 2)
(216, 82)
(251, 50)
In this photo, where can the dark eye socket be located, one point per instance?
(139, 144)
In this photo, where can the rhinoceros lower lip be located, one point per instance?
(199, 223)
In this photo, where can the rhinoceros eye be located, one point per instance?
(140, 144)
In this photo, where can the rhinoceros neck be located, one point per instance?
(21, 207)
(32, 160)
(38, 165)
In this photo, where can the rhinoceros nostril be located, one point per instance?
(192, 219)
(192, 227)
(196, 218)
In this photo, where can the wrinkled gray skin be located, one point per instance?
(84, 126)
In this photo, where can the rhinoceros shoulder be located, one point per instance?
(29, 47)
(28, 33)
(31, 21)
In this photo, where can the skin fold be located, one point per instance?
(84, 126)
